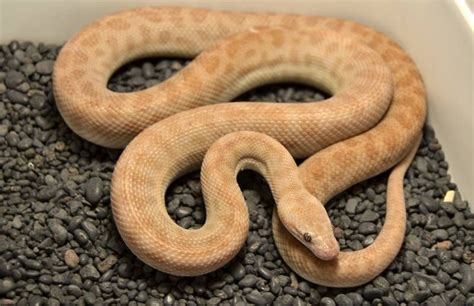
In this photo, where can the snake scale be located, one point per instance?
(372, 122)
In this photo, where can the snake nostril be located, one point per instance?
(307, 237)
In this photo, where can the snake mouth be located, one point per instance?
(328, 252)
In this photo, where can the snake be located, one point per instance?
(371, 123)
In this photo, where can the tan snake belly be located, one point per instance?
(177, 121)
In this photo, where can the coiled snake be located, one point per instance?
(372, 122)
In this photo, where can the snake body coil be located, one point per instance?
(372, 122)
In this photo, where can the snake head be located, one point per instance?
(309, 223)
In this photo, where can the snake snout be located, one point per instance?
(327, 249)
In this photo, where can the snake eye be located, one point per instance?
(307, 237)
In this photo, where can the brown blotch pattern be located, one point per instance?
(211, 64)
(150, 14)
(277, 39)
(80, 58)
(198, 15)
(91, 40)
(118, 24)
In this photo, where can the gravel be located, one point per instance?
(59, 244)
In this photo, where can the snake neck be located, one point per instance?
(302, 214)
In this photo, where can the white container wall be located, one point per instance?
(438, 35)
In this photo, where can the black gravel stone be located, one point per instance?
(6, 285)
(17, 97)
(14, 78)
(238, 271)
(59, 244)
(367, 228)
(94, 190)
(343, 300)
(326, 301)
(81, 236)
(248, 281)
(256, 297)
(89, 272)
(371, 293)
(45, 67)
(440, 234)
(60, 233)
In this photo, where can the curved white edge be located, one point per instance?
(437, 33)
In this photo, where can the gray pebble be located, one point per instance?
(148, 70)
(469, 224)
(17, 97)
(252, 198)
(237, 271)
(421, 164)
(343, 300)
(299, 302)
(183, 211)
(256, 297)
(284, 300)
(369, 216)
(3, 130)
(125, 270)
(422, 260)
(351, 206)
(45, 279)
(74, 290)
(81, 236)
(38, 101)
(12, 138)
(137, 80)
(6, 285)
(89, 272)
(421, 296)
(264, 273)
(367, 228)
(458, 301)
(450, 267)
(389, 301)
(32, 264)
(94, 190)
(459, 219)
(25, 143)
(90, 298)
(440, 234)
(326, 301)
(59, 232)
(275, 286)
(14, 78)
(430, 204)
(44, 123)
(248, 281)
(444, 222)
(470, 301)
(356, 298)
(45, 67)
(187, 199)
(169, 300)
(467, 282)
(90, 229)
(371, 293)
(412, 243)
(413, 202)
(142, 296)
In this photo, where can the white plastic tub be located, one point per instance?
(438, 34)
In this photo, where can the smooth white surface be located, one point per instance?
(435, 33)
